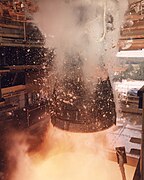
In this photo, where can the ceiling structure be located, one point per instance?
(132, 37)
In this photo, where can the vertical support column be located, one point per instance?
(122, 159)
(142, 145)
(141, 106)
(24, 24)
(25, 30)
(1, 98)
(27, 109)
(0, 90)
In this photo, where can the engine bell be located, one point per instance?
(76, 108)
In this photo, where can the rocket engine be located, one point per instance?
(76, 107)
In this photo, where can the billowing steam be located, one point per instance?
(66, 156)
(84, 35)
(83, 29)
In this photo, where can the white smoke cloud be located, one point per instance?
(89, 28)
(66, 156)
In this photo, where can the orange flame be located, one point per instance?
(68, 156)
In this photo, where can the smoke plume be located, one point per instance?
(65, 156)
(88, 29)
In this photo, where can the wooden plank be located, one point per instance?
(22, 45)
(129, 101)
(134, 17)
(6, 109)
(2, 103)
(132, 37)
(136, 44)
(135, 140)
(23, 67)
(135, 47)
(12, 35)
(131, 110)
(13, 89)
(4, 71)
(134, 41)
(139, 23)
(133, 28)
(11, 26)
(19, 20)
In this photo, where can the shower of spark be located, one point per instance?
(84, 35)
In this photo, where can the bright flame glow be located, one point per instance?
(68, 156)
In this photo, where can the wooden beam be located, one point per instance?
(131, 110)
(134, 28)
(2, 103)
(22, 45)
(134, 41)
(4, 71)
(11, 26)
(18, 20)
(139, 47)
(13, 89)
(23, 67)
(136, 44)
(134, 17)
(12, 35)
(126, 37)
(136, 47)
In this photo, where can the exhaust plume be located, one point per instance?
(66, 156)
(85, 28)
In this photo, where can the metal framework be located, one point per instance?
(133, 28)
